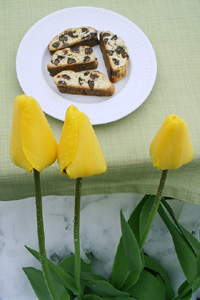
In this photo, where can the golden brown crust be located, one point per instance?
(115, 55)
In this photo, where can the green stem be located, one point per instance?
(41, 237)
(76, 235)
(154, 208)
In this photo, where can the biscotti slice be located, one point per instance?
(115, 55)
(74, 37)
(75, 58)
(84, 83)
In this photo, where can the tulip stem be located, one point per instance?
(154, 208)
(41, 237)
(76, 235)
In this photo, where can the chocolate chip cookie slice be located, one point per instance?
(84, 83)
(75, 58)
(115, 55)
(74, 37)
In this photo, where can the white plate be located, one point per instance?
(131, 91)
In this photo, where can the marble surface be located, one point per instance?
(99, 217)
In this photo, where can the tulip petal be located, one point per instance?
(84, 156)
(37, 140)
(68, 144)
(16, 152)
(171, 147)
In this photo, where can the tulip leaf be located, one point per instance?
(185, 253)
(144, 215)
(68, 264)
(194, 243)
(198, 265)
(100, 285)
(38, 284)
(148, 287)
(95, 297)
(120, 269)
(59, 273)
(152, 264)
(131, 247)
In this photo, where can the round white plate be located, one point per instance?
(130, 92)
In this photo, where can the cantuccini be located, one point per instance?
(115, 55)
(84, 83)
(75, 58)
(74, 37)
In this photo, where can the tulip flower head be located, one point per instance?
(32, 143)
(171, 147)
(79, 153)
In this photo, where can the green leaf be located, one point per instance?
(100, 285)
(152, 264)
(38, 283)
(68, 264)
(185, 253)
(94, 297)
(131, 247)
(120, 269)
(194, 243)
(148, 287)
(144, 215)
(198, 265)
(59, 273)
(135, 218)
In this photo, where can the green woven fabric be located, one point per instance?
(173, 28)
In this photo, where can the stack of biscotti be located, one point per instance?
(84, 83)
(74, 36)
(72, 53)
(115, 55)
(74, 58)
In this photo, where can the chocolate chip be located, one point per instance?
(110, 52)
(86, 73)
(84, 29)
(94, 76)
(114, 37)
(88, 50)
(63, 37)
(66, 76)
(60, 57)
(75, 49)
(71, 34)
(125, 55)
(106, 34)
(86, 59)
(62, 82)
(56, 44)
(116, 61)
(71, 60)
(116, 72)
(55, 62)
(93, 35)
(80, 80)
(105, 41)
(120, 50)
(91, 84)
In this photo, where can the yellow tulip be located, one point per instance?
(79, 153)
(171, 147)
(32, 143)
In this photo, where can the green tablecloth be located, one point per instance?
(173, 27)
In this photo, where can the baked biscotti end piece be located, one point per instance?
(115, 55)
(74, 37)
(84, 83)
(75, 58)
